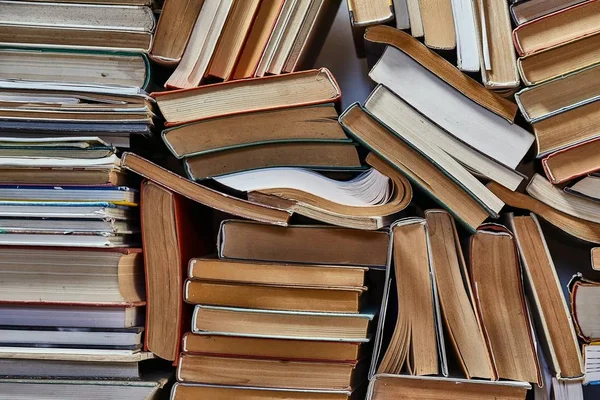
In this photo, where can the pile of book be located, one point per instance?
(227, 39)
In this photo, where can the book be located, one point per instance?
(71, 316)
(467, 35)
(382, 101)
(558, 95)
(421, 134)
(415, 166)
(584, 293)
(318, 87)
(567, 390)
(189, 391)
(169, 43)
(260, 32)
(273, 273)
(581, 229)
(294, 124)
(525, 11)
(405, 387)
(112, 194)
(443, 69)
(302, 244)
(502, 309)
(562, 26)
(271, 297)
(234, 34)
(29, 362)
(567, 129)
(64, 337)
(498, 61)
(438, 24)
(415, 19)
(67, 226)
(71, 25)
(401, 14)
(467, 333)
(547, 299)
(146, 389)
(75, 147)
(370, 13)
(201, 45)
(590, 355)
(287, 349)
(301, 154)
(74, 210)
(398, 194)
(595, 258)
(417, 343)
(265, 372)
(578, 207)
(586, 187)
(200, 193)
(505, 142)
(63, 276)
(557, 61)
(293, 325)
(169, 241)
(84, 68)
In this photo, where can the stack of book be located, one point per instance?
(288, 313)
(232, 39)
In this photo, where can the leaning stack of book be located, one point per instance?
(288, 313)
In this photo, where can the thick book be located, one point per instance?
(438, 24)
(169, 43)
(584, 294)
(525, 11)
(393, 194)
(363, 13)
(577, 227)
(417, 344)
(559, 95)
(498, 58)
(294, 124)
(562, 26)
(467, 333)
(72, 276)
(266, 372)
(169, 241)
(546, 297)
(557, 61)
(417, 168)
(503, 141)
(245, 240)
(301, 154)
(272, 92)
(287, 349)
(494, 258)
(148, 388)
(201, 193)
(383, 104)
(274, 297)
(71, 25)
(405, 387)
(572, 162)
(275, 273)
(190, 391)
(276, 324)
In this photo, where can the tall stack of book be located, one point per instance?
(288, 313)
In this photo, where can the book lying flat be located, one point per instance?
(112, 194)
(91, 67)
(74, 210)
(503, 141)
(95, 241)
(419, 169)
(287, 349)
(588, 188)
(68, 226)
(405, 387)
(302, 244)
(562, 26)
(266, 372)
(145, 389)
(572, 162)
(591, 353)
(271, 297)
(318, 87)
(109, 277)
(524, 11)
(502, 308)
(190, 391)
(75, 147)
(547, 298)
(290, 124)
(295, 325)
